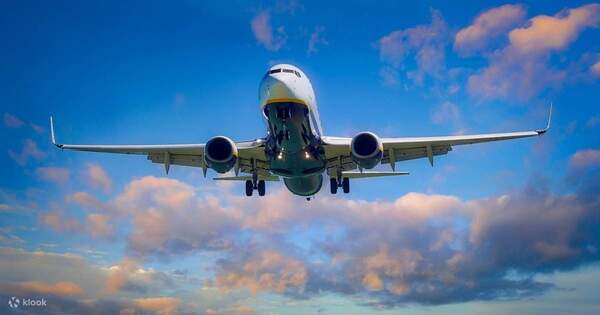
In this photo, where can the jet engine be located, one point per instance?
(220, 154)
(367, 149)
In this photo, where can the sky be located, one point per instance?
(510, 227)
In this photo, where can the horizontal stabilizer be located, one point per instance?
(270, 178)
(366, 174)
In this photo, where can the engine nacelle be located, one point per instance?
(220, 154)
(367, 149)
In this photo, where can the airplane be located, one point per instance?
(295, 147)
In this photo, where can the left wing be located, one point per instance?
(337, 149)
(177, 154)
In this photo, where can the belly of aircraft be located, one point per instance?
(293, 149)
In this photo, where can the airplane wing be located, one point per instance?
(337, 149)
(177, 154)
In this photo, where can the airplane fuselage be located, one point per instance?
(293, 147)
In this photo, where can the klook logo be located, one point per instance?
(15, 302)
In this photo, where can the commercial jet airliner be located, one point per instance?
(295, 147)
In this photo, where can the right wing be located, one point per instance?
(337, 149)
(177, 154)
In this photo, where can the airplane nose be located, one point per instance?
(277, 88)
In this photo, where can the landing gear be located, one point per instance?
(333, 185)
(260, 186)
(346, 185)
(249, 188)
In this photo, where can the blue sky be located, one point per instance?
(490, 229)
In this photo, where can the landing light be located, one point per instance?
(306, 155)
(280, 156)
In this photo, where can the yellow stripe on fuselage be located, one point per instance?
(286, 100)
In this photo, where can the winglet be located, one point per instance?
(543, 131)
(52, 133)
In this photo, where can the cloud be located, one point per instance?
(581, 162)
(426, 44)
(159, 305)
(29, 150)
(263, 31)
(169, 218)
(11, 121)
(97, 177)
(57, 175)
(446, 112)
(487, 27)
(315, 39)
(262, 270)
(64, 288)
(520, 70)
(58, 222)
(596, 68)
(546, 33)
(418, 248)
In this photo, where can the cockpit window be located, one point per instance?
(284, 70)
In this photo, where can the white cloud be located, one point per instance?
(263, 31)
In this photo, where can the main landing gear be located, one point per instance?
(250, 187)
(334, 184)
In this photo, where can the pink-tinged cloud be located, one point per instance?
(12, 121)
(159, 305)
(521, 70)
(596, 68)
(584, 159)
(64, 288)
(58, 222)
(264, 33)
(57, 175)
(547, 33)
(99, 225)
(86, 200)
(266, 270)
(487, 27)
(446, 112)
(426, 44)
(97, 177)
(29, 150)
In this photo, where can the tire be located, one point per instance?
(249, 188)
(346, 185)
(333, 186)
(261, 187)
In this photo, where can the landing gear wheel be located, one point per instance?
(333, 185)
(261, 187)
(249, 188)
(346, 185)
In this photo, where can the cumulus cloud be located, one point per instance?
(29, 150)
(262, 270)
(57, 175)
(418, 248)
(263, 31)
(446, 112)
(521, 68)
(159, 305)
(64, 288)
(11, 121)
(425, 44)
(487, 27)
(97, 177)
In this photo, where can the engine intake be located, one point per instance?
(367, 149)
(220, 154)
